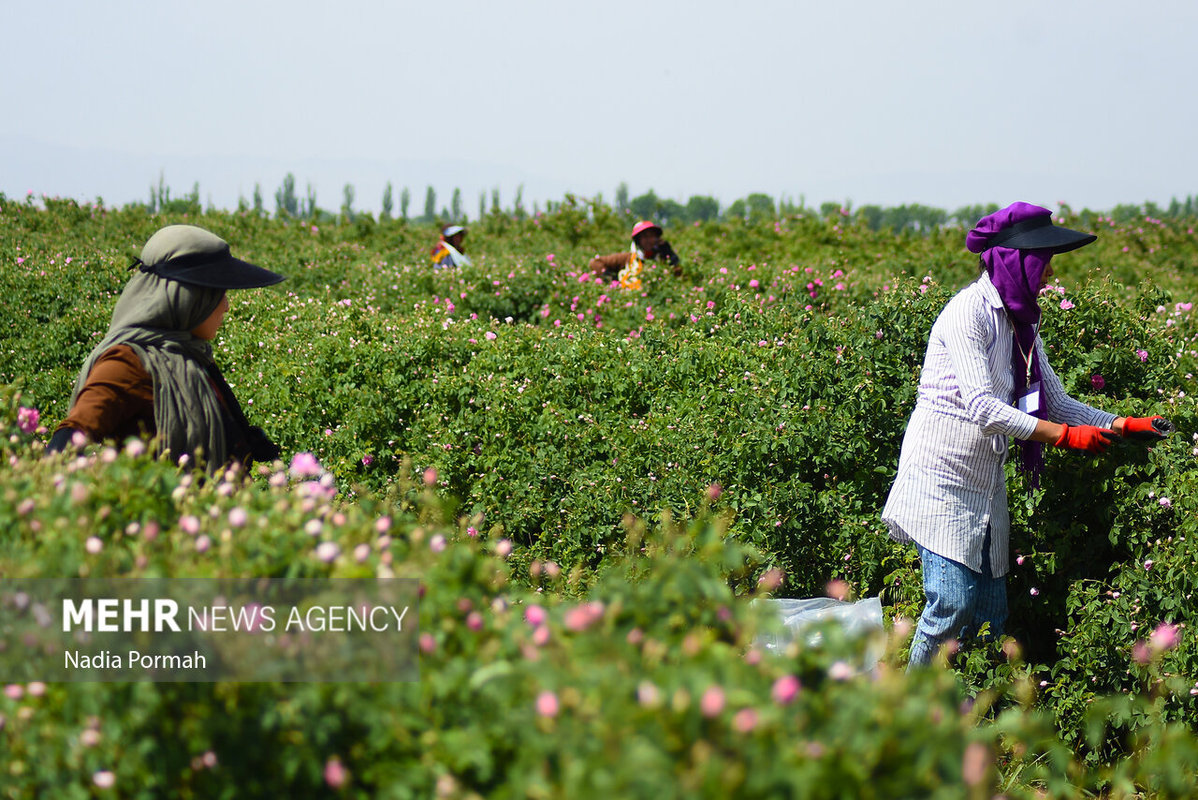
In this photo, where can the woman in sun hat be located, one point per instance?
(647, 245)
(985, 379)
(153, 373)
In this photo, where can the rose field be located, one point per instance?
(592, 486)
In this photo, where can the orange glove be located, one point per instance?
(1090, 438)
(1145, 429)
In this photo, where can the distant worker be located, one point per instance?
(647, 245)
(448, 250)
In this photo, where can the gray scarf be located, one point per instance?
(154, 317)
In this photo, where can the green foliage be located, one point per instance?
(593, 427)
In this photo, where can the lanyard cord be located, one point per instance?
(1027, 356)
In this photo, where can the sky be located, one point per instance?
(939, 103)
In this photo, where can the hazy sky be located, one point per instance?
(942, 103)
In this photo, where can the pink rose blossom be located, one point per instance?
(327, 552)
(744, 720)
(785, 689)
(837, 589)
(771, 579)
(840, 671)
(305, 465)
(27, 419)
(581, 617)
(712, 702)
(1097, 381)
(648, 695)
(1165, 637)
(335, 773)
(547, 704)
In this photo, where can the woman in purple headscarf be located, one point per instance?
(986, 379)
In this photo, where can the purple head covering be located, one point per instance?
(1017, 274)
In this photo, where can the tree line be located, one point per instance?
(756, 207)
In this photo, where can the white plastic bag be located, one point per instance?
(796, 614)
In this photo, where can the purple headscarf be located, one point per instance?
(1017, 274)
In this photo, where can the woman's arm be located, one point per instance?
(966, 332)
(116, 400)
(610, 264)
(1066, 409)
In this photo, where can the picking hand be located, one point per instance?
(1146, 429)
(1089, 438)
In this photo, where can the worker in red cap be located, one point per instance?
(647, 245)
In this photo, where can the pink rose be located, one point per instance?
(534, 615)
(712, 702)
(335, 773)
(305, 465)
(27, 419)
(547, 704)
(1165, 637)
(744, 720)
(785, 689)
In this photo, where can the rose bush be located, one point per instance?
(545, 410)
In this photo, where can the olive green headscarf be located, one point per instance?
(154, 317)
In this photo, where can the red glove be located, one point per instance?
(1090, 438)
(1142, 430)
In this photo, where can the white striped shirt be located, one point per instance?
(950, 483)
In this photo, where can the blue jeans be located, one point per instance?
(959, 600)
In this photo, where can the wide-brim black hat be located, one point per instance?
(193, 255)
(1038, 233)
